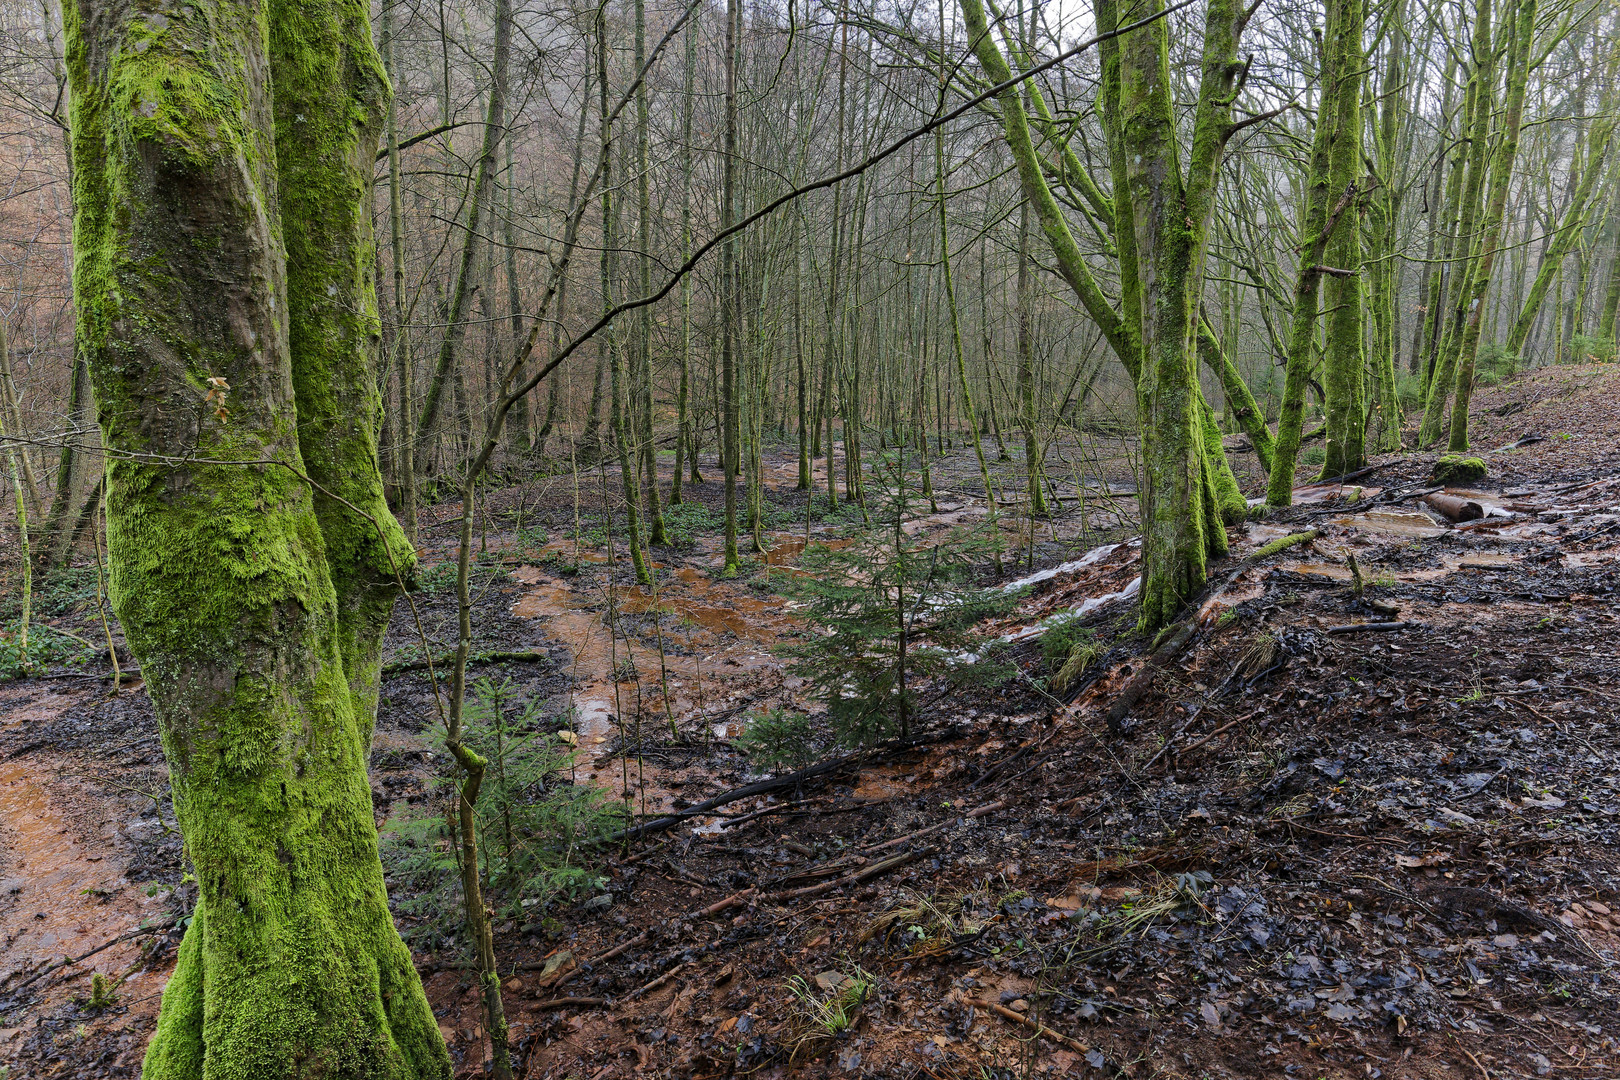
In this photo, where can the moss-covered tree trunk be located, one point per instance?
(223, 256)
(1492, 222)
(1179, 515)
(1384, 211)
(1481, 99)
(1187, 488)
(1343, 362)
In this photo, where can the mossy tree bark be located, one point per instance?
(1384, 211)
(1343, 362)
(227, 312)
(1598, 141)
(1481, 98)
(1609, 311)
(1188, 488)
(1169, 215)
(1492, 223)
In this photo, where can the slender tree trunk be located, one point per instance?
(1610, 310)
(405, 455)
(1479, 128)
(1026, 369)
(1343, 361)
(647, 450)
(1323, 210)
(1566, 234)
(950, 287)
(518, 435)
(621, 405)
(479, 206)
(1491, 224)
(730, 293)
(683, 421)
(12, 405)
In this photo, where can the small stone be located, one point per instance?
(1018, 1005)
(1600, 908)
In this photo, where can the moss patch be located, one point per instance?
(1456, 469)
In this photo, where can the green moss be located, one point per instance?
(1456, 469)
(236, 589)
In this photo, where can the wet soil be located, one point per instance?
(1313, 847)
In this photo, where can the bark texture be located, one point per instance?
(253, 604)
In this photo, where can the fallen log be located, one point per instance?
(1174, 638)
(1454, 507)
(1356, 628)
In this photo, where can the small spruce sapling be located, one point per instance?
(534, 823)
(890, 612)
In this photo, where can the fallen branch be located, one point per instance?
(920, 833)
(522, 657)
(1345, 478)
(1175, 638)
(852, 879)
(1356, 628)
(69, 961)
(565, 1002)
(760, 787)
(734, 900)
(660, 981)
(1040, 1030)
(1223, 729)
(574, 972)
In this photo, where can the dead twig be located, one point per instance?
(1356, 628)
(566, 1002)
(1040, 1030)
(660, 981)
(977, 812)
(69, 961)
(734, 900)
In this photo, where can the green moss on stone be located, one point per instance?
(1456, 469)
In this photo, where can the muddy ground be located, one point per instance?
(1302, 848)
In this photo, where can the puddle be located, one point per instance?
(1318, 569)
(1348, 493)
(1411, 523)
(60, 896)
(1090, 558)
(1485, 559)
(950, 515)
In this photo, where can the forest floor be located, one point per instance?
(1306, 849)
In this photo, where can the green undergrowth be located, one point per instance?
(779, 740)
(535, 824)
(44, 648)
